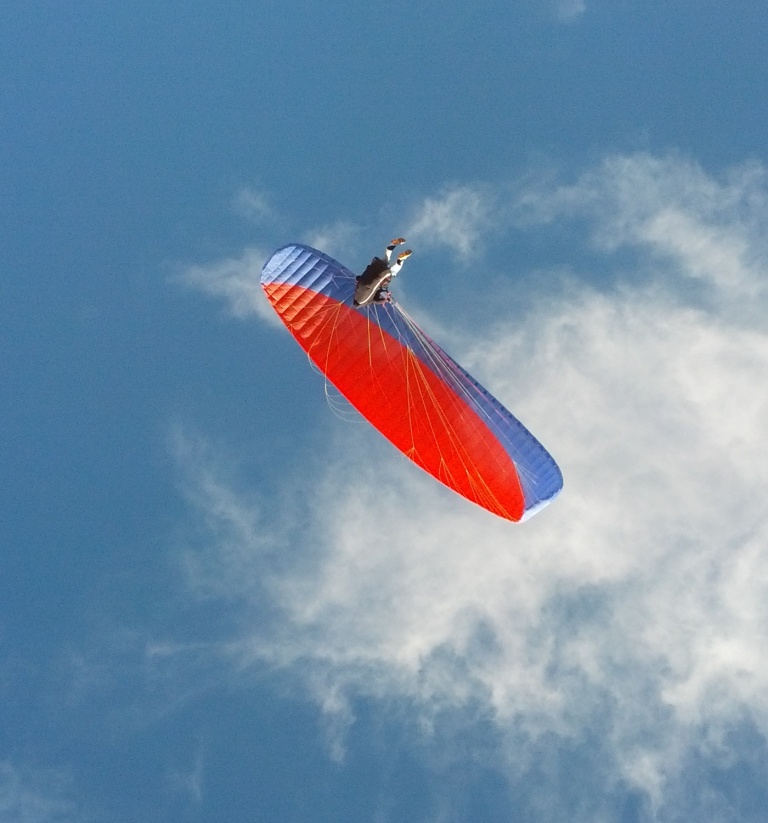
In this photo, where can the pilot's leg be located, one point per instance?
(398, 241)
(398, 264)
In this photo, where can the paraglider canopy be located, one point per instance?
(408, 388)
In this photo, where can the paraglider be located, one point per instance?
(373, 284)
(405, 385)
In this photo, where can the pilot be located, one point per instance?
(373, 282)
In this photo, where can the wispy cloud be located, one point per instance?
(569, 10)
(457, 219)
(238, 281)
(253, 203)
(632, 612)
(189, 782)
(711, 229)
(337, 239)
(232, 519)
(35, 796)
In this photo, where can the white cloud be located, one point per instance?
(231, 516)
(253, 204)
(34, 796)
(189, 782)
(712, 230)
(568, 10)
(337, 239)
(456, 219)
(238, 281)
(633, 610)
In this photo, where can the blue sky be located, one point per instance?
(194, 624)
